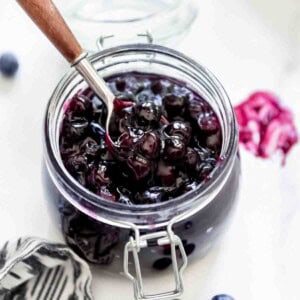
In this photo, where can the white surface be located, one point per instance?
(248, 44)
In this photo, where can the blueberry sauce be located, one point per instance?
(168, 140)
(265, 126)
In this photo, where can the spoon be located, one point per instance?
(47, 17)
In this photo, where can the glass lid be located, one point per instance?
(166, 20)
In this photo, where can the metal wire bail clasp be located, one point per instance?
(100, 42)
(160, 238)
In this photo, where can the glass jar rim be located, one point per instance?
(217, 175)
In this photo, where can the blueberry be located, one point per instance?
(99, 110)
(124, 121)
(89, 147)
(197, 107)
(222, 297)
(120, 84)
(121, 106)
(98, 176)
(162, 263)
(174, 149)
(125, 96)
(97, 104)
(180, 129)
(150, 145)
(204, 153)
(106, 193)
(148, 114)
(157, 87)
(191, 158)
(140, 166)
(181, 180)
(160, 87)
(96, 130)
(126, 141)
(214, 141)
(67, 150)
(206, 167)
(208, 123)
(79, 106)
(166, 173)
(75, 129)
(174, 105)
(135, 86)
(76, 164)
(8, 64)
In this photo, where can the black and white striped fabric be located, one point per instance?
(32, 269)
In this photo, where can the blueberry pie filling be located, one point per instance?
(168, 140)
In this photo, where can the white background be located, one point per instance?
(249, 45)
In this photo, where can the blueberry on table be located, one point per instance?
(222, 297)
(9, 64)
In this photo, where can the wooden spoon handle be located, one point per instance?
(46, 16)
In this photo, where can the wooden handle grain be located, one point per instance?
(46, 16)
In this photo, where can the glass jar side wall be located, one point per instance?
(128, 59)
(103, 244)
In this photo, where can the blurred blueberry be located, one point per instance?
(222, 297)
(8, 64)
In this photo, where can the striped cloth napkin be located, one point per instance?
(32, 268)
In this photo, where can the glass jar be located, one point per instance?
(107, 233)
(167, 20)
